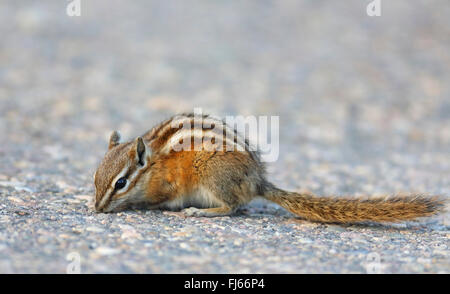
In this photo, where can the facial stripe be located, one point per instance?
(110, 191)
(131, 186)
(132, 173)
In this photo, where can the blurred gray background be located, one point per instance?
(364, 107)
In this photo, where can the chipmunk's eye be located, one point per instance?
(120, 183)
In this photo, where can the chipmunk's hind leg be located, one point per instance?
(208, 212)
(209, 204)
(212, 202)
(228, 181)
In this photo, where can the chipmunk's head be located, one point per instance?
(119, 175)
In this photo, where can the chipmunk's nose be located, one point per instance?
(97, 207)
(101, 209)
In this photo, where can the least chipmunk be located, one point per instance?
(207, 179)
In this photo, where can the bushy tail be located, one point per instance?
(351, 210)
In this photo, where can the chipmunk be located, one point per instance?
(207, 179)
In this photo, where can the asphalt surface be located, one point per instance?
(363, 103)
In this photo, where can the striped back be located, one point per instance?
(191, 132)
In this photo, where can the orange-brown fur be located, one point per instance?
(172, 178)
(218, 182)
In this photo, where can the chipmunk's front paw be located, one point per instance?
(193, 211)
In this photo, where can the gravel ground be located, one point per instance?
(364, 107)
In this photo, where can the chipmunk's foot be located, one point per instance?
(209, 212)
(192, 211)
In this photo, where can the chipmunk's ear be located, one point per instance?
(139, 151)
(114, 140)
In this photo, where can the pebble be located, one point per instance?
(107, 250)
(95, 229)
(15, 199)
(184, 246)
(83, 197)
(128, 232)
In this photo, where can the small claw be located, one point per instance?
(192, 211)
